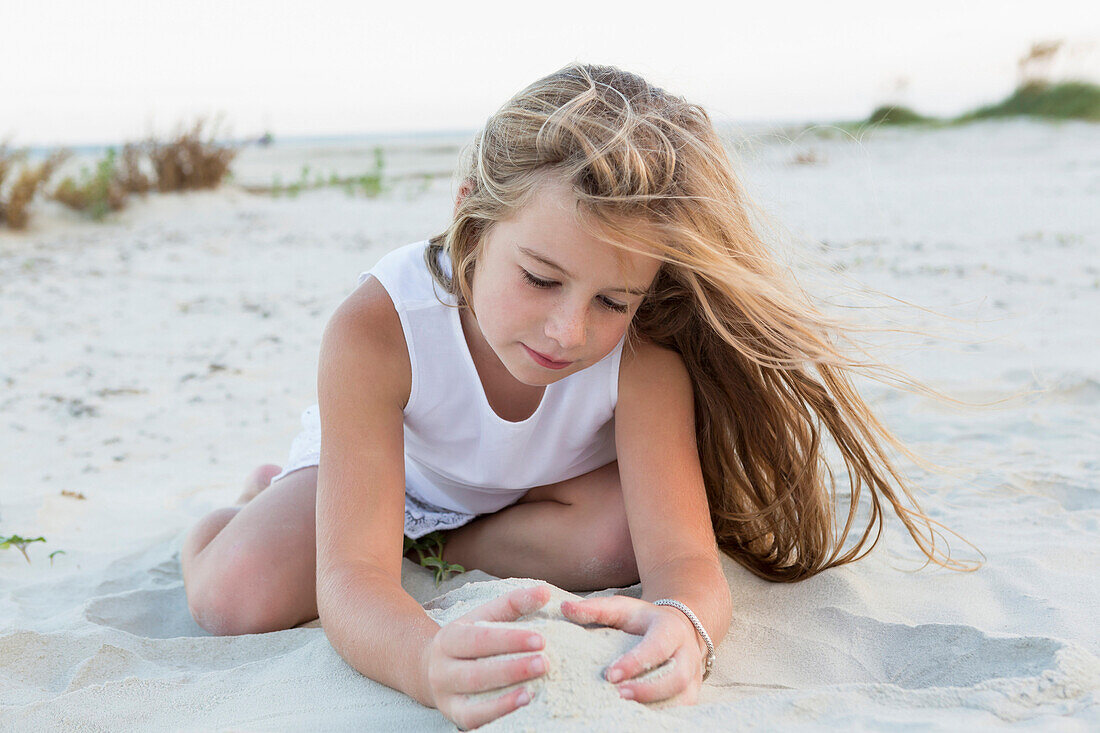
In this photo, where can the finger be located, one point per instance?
(468, 713)
(485, 675)
(633, 616)
(677, 677)
(512, 605)
(471, 641)
(620, 612)
(660, 642)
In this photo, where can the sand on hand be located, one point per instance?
(573, 691)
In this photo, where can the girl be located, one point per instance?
(596, 375)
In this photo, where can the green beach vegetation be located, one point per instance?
(896, 115)
(371, 184)
(20, 543)
(96, 193)
(1067, 100)
(192, 159)
(1035, 95)
(429, 549)
(189, 160)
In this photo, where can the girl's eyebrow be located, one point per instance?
(550, 263)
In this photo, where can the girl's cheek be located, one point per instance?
(530, 305)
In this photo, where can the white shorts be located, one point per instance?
(421, 517)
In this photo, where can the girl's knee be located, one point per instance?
(215, 597)
(258, 574)
(614, 548)
(240, 591)
(615, 553)
(203, 531)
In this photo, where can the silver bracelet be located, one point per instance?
(708, 663)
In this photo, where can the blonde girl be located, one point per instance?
(596, 375)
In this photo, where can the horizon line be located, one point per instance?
(90, 145)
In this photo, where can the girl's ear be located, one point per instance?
(464, 190)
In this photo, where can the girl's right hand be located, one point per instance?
(460, 659)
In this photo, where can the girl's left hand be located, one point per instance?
(667, 634)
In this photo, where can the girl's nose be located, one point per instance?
(567, 326)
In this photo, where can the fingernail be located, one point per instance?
(626, 693)
(524, 698)
(534, 641)
(614, 675)
(538, 665)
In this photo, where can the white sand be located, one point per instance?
(151, 362)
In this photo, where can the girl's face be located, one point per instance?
(573, 311)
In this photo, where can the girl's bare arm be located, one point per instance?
(670, 528)
(662, 480)
(369, 619)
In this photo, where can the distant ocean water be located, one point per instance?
(308, 160)
(385, 138)
(290, 141)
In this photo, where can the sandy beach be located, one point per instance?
(148, 363)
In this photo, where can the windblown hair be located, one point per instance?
(769, 380)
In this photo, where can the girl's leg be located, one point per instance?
(573, 534)
(209, 526)
(252, 568)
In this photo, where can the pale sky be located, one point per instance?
(75, 71)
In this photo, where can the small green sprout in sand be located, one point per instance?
(430, 550)
(19, 543)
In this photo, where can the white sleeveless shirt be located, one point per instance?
(459, 454)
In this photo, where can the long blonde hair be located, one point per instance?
(769, 377)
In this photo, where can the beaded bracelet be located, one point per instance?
(708, 663)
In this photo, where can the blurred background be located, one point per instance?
(75, 72)
(363, 95)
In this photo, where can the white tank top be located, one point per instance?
(459, 454)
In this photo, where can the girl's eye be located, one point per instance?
(609, 304)
(535, 281)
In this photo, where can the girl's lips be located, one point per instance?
(543, 361)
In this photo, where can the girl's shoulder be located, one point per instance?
(366, 327)
(655, 426)
(646, 366)
(641, 355)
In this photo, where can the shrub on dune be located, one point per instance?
(1067, 100)
(896, 115)
(185, 162)
(16, 198)
(130, 174)
(95, 193)
(189, 161)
